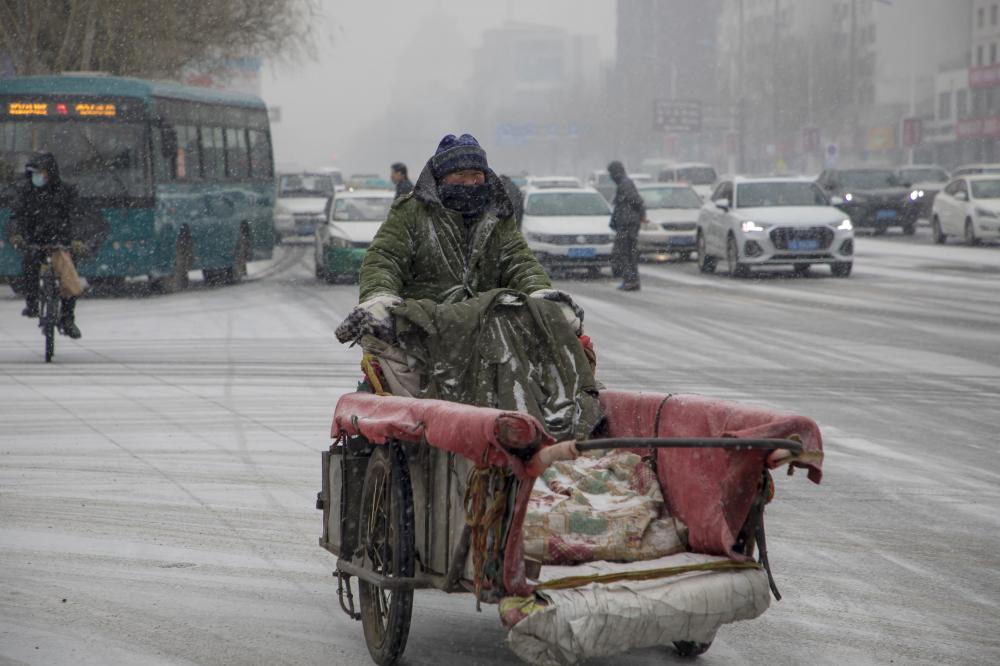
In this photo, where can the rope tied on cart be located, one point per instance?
(485, 504)
(373, 373)
(570, 582)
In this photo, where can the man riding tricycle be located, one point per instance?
(481, 455)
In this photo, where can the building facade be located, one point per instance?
(666, 50)
(847, 72)
(966, 126)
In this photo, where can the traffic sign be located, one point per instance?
(810, 139)
(912, 132)
(671, 115)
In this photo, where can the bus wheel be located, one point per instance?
(178, 280)
(238, 270)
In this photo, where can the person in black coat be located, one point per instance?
(516, 198)
(401, 179)
(626, 218)
(43, 214)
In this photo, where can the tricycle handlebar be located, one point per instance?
(734, 443)
(570, 450)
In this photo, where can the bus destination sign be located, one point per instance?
(63, 109)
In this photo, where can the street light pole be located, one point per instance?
(741, 112)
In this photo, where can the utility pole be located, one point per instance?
(775, 102)
(853, 74)
(741, 102)
(913, 76)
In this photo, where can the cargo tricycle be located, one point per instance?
(652, 534)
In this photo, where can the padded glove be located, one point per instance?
(570, 310)
(373, 317)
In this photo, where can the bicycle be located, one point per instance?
(49, 301)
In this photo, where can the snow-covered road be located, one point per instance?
(157, 481)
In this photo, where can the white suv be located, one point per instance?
(772, 221)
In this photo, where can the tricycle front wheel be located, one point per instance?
(691, 648)
(387, 543)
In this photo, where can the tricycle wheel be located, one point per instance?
(691, 648)
(385, 536)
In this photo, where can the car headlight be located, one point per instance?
(853, 198)
(986, 212)
(336, 241)
(845, 225)
(916, 194)
(750, 225)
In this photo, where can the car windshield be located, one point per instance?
(305, 185)
(554, 182)
(697, 175)
(759, 195)
(868, 179)
(103, 159)
(670, 197)
(985, 189)
(923, 176)
(361, 209)
(550, 204)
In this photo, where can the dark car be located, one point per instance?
(874, 198)
(925, 181)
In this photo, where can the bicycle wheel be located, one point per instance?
(50, 341)
(386, 540)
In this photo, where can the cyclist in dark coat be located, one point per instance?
(43, 213)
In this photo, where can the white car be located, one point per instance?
(975, 169)
(350, 227)
(702, 177)
(969, 206)
(671, 218)
(302, 203)
(568, 227)
(549, 182)
(771, 221)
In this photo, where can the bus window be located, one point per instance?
(237, 158)
(103, 159)
(260, 154)
(213, 153)
(188, 163)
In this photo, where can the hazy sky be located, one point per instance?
(369, 48)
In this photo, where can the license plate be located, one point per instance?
(683, 240)
(885, 215)
(583, 252)
(808, 244)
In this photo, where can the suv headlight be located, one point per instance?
(854, 198)
(916, 194)
(845, 225)
(986, 212)
(336, 241)
(750, 225)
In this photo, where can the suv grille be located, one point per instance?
(678, 226)
(782, 235)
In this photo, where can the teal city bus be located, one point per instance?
(183, 177)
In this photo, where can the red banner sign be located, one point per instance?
(978, 128)
(912, 132)
(984, 77)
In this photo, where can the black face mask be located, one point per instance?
(469, 200)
